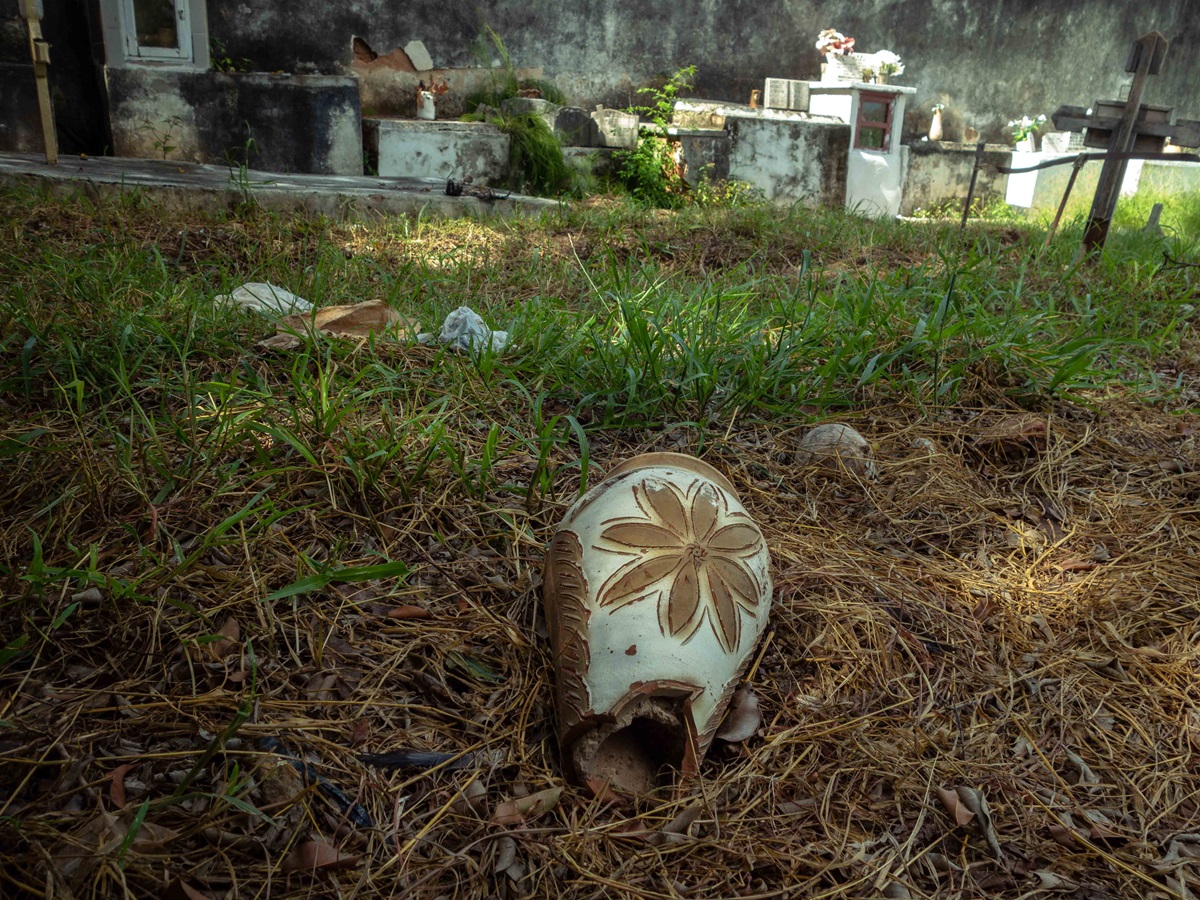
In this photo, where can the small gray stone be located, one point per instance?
(837, 445)
(419, 56)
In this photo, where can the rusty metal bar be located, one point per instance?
(1080, 160)
(971, 190)
(1099, 157)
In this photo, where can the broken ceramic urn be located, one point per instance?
(657, 589)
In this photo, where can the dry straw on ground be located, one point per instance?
(980, 680)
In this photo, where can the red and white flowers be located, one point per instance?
(832, 42)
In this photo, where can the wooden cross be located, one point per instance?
(39, 52)
(1122, 128)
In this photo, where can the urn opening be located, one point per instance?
(640, 752)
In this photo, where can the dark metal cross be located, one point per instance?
(1123, 128)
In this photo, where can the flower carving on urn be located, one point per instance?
(657, 588)
(689, 553)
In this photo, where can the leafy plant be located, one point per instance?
(163, 134)
(651, 171)
(238, 161)
(725, 192)
(221, 61)
(535, 157)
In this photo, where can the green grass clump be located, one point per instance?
(535, 157)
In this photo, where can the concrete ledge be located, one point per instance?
(197, 187)
(419, 148)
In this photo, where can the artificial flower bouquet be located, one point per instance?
(832, 42)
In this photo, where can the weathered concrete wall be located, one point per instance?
(20, 127)
(705, 154)
(939, 173)
(299, 123)
(791, 161)
(390, 92)
(988, 62)
(14, 40)
(20, 124)
(414, 148)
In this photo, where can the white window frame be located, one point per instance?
(119, 26)
(183, 34)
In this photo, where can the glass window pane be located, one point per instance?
(873, 111)
(870, 138)
(156, 23)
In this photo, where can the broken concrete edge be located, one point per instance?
(354, 204)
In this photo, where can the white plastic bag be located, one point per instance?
(266, 299)
(465, 331)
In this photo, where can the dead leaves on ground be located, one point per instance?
(744, 716)
(356, 320)
(312, 856)
(107, 836)
(519, 809)
(967, 805)
(1012, 436)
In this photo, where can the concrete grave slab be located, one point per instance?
(705, 154)
(617, 128)
(182, 186)
(298, 123)
(790, 160)
(416, 148)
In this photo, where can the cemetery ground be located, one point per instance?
(228, 573)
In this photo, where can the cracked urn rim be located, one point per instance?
(657, 588)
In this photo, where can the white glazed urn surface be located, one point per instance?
(658, 584)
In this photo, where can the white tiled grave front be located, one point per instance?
(416, 148)
(874, 178)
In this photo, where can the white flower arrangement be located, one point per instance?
(1025, 126)
(889, 63)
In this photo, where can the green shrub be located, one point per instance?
(649, 171)
(650, 174)
(725, 192)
